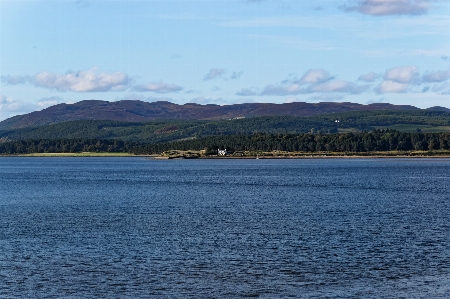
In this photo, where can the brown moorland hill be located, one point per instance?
(138, 111)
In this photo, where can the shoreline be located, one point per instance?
(262, 156)
(77, 155)
(325, 157)
(151, 157)
(305, 157)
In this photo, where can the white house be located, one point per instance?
(222, 152)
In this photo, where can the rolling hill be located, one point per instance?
(138, 111)
(170, 130)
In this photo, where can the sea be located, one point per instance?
(224, 228)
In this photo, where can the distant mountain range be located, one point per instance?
(138, 111)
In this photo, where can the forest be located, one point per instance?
(377, 140)
(363, 142)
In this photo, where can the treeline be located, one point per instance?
(378, 140)
(19, 147)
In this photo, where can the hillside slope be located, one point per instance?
(138, 111)
(169, 130)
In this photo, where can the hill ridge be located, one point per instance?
(139, 111)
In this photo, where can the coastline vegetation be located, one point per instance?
(375, 143)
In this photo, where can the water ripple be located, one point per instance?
(133, 228)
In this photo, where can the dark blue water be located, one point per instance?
(136, 228)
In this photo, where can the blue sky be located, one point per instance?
(224, 52)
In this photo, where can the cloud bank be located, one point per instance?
(313, 81)
(83, 81)
(86, 81)
(402, 74)
(399, 79)
(318, 81)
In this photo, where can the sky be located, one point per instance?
(223, 52)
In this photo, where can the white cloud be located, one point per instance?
(369, 77)
(392, 86)
(159, 87)
(85, 81)
(214, 73)
(390, 7)
(403, 74)
(315, 76)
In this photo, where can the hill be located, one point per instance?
(138, 111)
(172, 130)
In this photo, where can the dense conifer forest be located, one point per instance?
(378, 140)
(364, 142)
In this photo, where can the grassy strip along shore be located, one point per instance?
(256, 155)
(191, 154)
